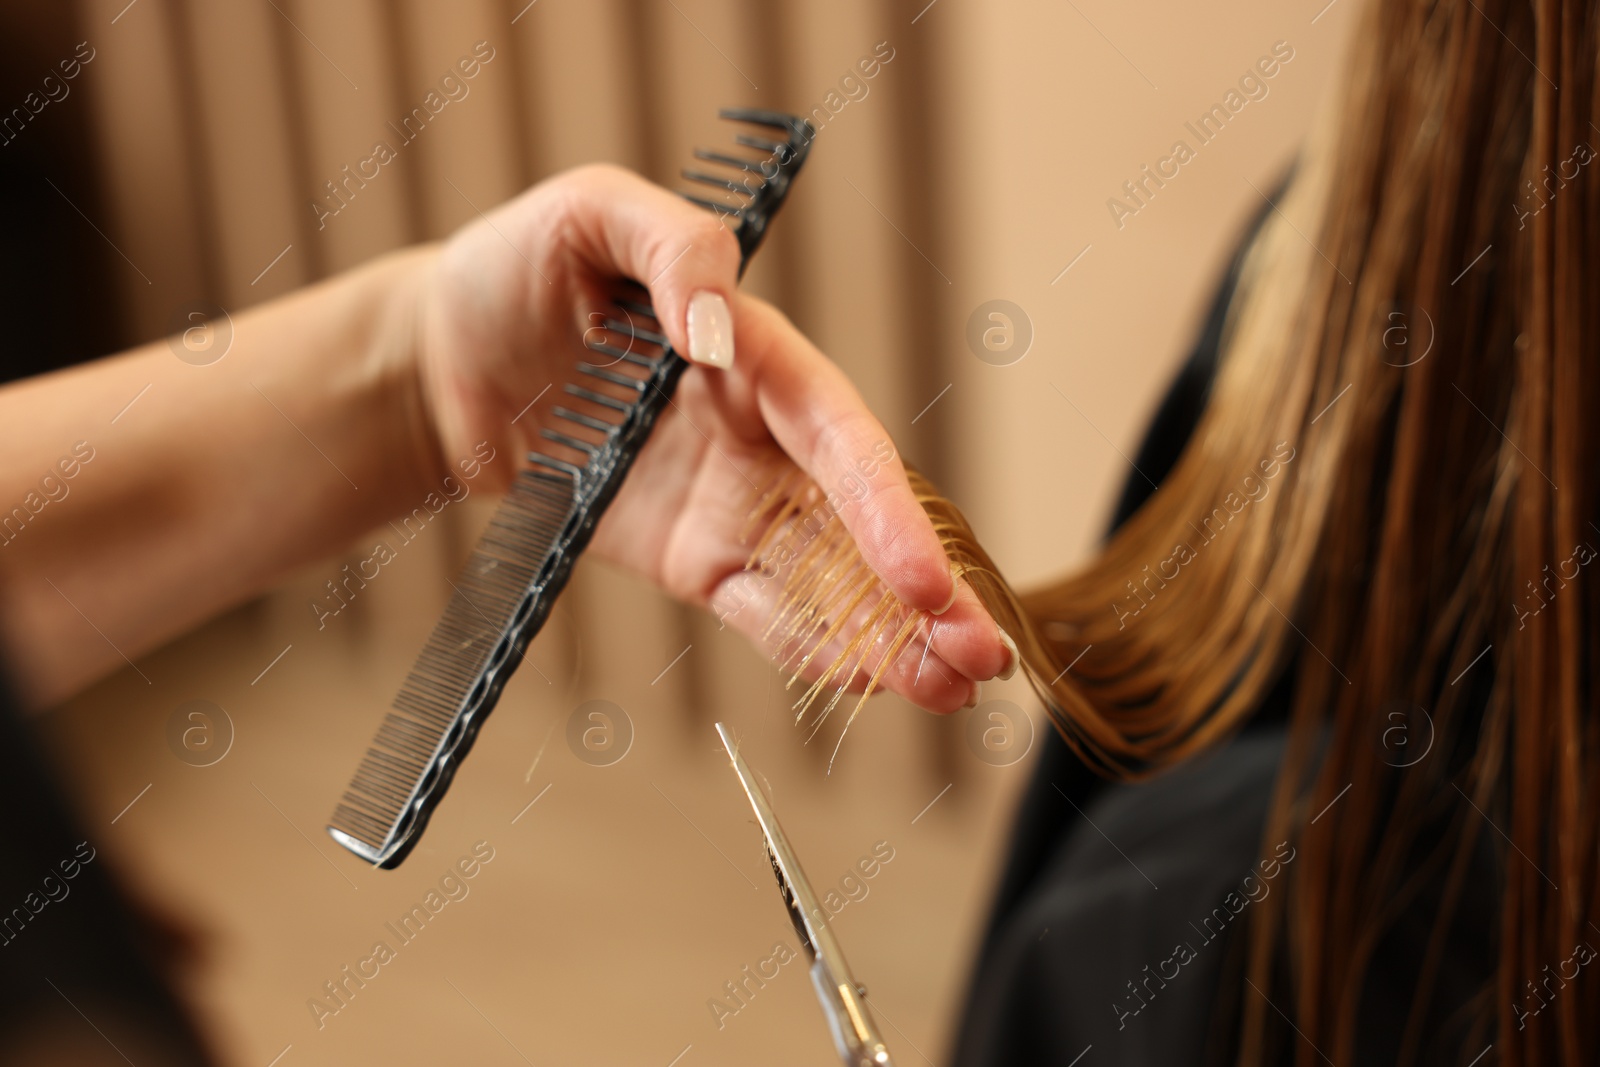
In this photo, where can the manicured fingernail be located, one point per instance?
(977, 695)
(710, 330)
(955, 583)
(1013, 658)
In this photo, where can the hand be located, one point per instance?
(501, 312)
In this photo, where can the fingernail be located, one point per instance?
(710, 330)
(977, 695)
(955, 583)
(1013, 657)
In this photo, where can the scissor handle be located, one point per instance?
(855, 1040)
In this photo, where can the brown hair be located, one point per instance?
(1403, 523)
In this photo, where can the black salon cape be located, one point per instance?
(78, 961)
(1103, 881)
(1119, 926)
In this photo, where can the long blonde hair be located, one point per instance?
(1405, 523)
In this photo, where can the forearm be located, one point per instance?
(211, 484)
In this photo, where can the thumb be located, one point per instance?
(686, 256)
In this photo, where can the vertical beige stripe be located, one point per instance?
(247, 130)
(463, 163)
(583, 82)
(198, 150)
(519, 136)
(343, 63)
(400, 99)
(847, 210)
(283, 43)
(134, 89)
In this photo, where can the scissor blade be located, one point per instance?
(854, 1030)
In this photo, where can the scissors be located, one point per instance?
(843, 999)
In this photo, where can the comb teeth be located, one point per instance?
(707, 156)
(759, 182)
(737, 188)
(524, 558)
(424, 737)
(760, 143)
(606, 376)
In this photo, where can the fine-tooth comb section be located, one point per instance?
(524, 558)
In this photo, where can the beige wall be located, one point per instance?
(977, 168)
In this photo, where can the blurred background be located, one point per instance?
(627, 884)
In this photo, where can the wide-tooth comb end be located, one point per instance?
(761, 143)
(737, 188)
(726, 160)
(717, 207)
(783, 160)
(790, 124)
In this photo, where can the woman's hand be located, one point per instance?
(200, 485)
(502, 311)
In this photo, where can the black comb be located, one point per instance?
(524, 558)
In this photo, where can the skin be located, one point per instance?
(344, 404)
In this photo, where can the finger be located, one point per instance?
(745, 602)
(685, 256)
(924, 677)
(818, 418)
(969, 640)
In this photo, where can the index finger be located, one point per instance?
(817, 417)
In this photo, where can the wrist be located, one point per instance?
(408, 454)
